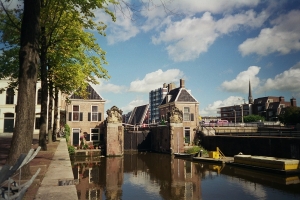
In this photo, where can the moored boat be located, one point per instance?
(270, 164)
(185, 155)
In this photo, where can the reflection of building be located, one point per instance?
(114, 177)
(155, 98)
(186, 182)
(88, 176)
(85, 117)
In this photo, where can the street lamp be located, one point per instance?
(234, 117)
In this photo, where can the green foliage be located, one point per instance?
(71, 150)
(192, 150)
(253, 118)
(196, 149)
(67, 132)
(73, 54)
(162, 122)
(291, 115)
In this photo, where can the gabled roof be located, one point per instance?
(179, 95)
(138, 114)
(92, 94)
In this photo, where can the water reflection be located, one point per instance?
(159, 176)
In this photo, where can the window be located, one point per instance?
(75, 136)
(186, 114)
(95, 132)
(39, 97)
(37, 123)
(10, 96)
(8, 122)
(94, 113)
(94, 116)
(187, 135)
(76, 113)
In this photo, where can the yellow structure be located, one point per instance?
(213, 154)
(216, 154)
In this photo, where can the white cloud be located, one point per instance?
(211, 109)
(157, 10)
(122, 29)
(106, 86)
(188, 38)
(283, 37)
(241, 82)
(286, 81)
(155, 80)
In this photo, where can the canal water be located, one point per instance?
(145, 176)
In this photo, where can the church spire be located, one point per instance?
(250, 99)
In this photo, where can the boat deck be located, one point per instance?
(214, 160)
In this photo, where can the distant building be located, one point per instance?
(155, 99)
(8, 103)
(268, 107)
(139, 115)
(235, 113)
(182, 99)
(126, 117)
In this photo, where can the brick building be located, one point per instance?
(86, 117)
(182, 99)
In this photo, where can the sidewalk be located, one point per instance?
(55, 166)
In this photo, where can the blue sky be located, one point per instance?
(217, 46)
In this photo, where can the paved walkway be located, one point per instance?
(55, 167)
(55, 184)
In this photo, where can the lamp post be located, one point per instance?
(234, 117)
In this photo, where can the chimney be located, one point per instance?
(281, 99)
(293, 102)
(169, 87)
(182, 83)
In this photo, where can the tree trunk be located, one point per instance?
(44, 93)
(28, 68)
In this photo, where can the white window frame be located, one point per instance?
(185, 136)
(186, 115)
(75, 112)
(94, 115)
(92, 134)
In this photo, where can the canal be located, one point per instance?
(160, 176)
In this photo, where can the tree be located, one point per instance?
(290, 115)
(28, 68)
(65, 47)
(253, 118)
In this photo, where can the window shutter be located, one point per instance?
(89, 116)
(99, 116)
(70, 116)
(192, 116)
(81, 116)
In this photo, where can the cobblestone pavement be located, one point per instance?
(42, 160)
